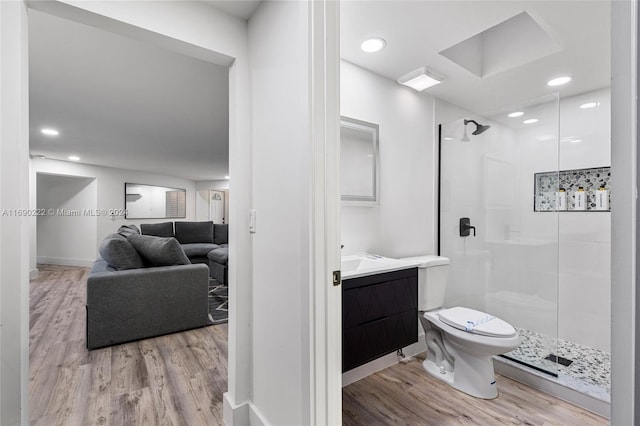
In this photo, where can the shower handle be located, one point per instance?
(465, 227)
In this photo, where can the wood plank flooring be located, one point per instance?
(404, 394)
(179, 379)
(176, 379)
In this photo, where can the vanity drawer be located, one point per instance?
(371, 340)
(369, 298)
(379, 315)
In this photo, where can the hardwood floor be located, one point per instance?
(405, 395)
(179, 379)
(176, 379)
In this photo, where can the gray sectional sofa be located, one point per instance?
(151, 283)
(202, 242)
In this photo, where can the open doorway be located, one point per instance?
(66, 229)
(163, 118)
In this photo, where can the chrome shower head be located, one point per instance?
(480, 128)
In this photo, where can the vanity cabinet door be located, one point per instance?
(379, 315)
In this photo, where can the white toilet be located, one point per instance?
(460, 341)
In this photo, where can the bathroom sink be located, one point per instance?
(368, 264)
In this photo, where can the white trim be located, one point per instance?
(234, 414)
(33, 273)
(14, 193)
(64, 261)
(325, 301)
(624, 76)
(255, 417)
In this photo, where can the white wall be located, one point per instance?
(402, 224)
(278, 52)
(64, 238)
(110, 196)
(14, 194)
(625, 404)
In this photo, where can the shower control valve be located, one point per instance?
(466, 228)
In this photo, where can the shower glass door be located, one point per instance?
(501, 180)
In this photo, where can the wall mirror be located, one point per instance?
(358, 161)
(154, 202)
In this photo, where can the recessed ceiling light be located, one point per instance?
(590, 105)
(49, 131)
(559, 81)
(227, 177)
(448, 138)
(575, 141)
(516, 114)
(373, 45)
(420, 79)
(530, 121)
(74, 158)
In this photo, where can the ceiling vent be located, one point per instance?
(510, 44)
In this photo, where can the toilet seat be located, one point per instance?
(476, 322)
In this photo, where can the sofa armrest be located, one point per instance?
(138, 303)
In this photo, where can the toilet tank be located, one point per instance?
(432, 280)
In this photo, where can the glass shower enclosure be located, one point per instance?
(498, 221)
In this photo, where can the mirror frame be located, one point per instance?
(374, 130)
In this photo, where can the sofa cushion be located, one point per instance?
(219, 255)
(101, 265)
(126, 230)
(220, 233)
(198, 249)
(119, 253)
(158, 251)
(164, 229)
(194, 232)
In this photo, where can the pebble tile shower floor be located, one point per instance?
(589, 373)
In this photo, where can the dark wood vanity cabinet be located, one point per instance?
(379, 315)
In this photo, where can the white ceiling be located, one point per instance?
(415, 31)
(240, 8)
(123, 103)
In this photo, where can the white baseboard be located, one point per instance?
(256, 418)
(381, 363)
(33, 274)
(241, 414)
(549, 384)
(64, 261)
(234, 414)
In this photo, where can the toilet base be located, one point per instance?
(475, 377)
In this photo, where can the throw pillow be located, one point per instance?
(119, 253)
(158, 251)
(164, 229)
(126, 230)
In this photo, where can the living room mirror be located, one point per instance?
(358, 161)
(154, 202)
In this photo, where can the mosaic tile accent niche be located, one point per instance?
(547, 183)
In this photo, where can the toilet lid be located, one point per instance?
(477, 322)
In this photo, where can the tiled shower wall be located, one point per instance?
(546, 185)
